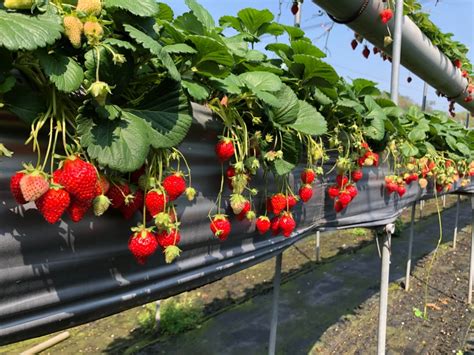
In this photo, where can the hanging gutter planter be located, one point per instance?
(418, 55)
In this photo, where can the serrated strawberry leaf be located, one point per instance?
(64, 72)
(142, 8)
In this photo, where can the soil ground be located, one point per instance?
(228, 303)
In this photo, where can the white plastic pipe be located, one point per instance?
(419, 55)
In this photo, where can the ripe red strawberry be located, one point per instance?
(102, 186)
(386, 15)
(155, 202)
(306, 192)
(401, 190)
(345, 198)
(354, 44)
(224, 149)
(133, 205)
(165, 238)
(33, 185)
(117, 194)
(263, 224)
(308, 176)
(391, 187)
(275, 225)
(142, 244)
(338, 206)
(291, 201)
(243, 214)
(79, 178)
(333, 191)
(57, 176)
(278, 203)
(78, 208)
(295, 8)
(220, 226)
(352, 190)
(15, 187)
(366, 52)
(341, 180)
(174, 185)
(53, 204)
(287, 224)
(457, 63)
(230, 173)
(356, 175)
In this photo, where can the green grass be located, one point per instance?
(180, 314)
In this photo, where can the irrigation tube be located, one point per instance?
(419, 55)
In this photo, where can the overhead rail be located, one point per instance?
(418, 54)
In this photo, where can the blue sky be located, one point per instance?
(455, 16)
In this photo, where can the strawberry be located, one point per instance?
(230, 173)
(338, 206)
(102, 186)
(354, 44)
(90, 7)
(78, 208)
(132, 205)
(308, 176)
(295, 8)
(457, 63)
(135, 176)
(356, 175)
(220, 226)
(165, 238)
(142, 244)
(79, 178)
(117, 194)
(190, 193)
(423, 183)
(73, 28)
(401, 190)
(291, 201)
(224, 149)
(155, 202)
(174, 185)
(344, 197)
(33, 185)
(243, 214)
(352, 190)
(386, 15)
(305, 192)
(263, 224)
(366, 52)
(53, 204)
(238, 203)
(391, 187)
(333, 191)
(275, 225)
(287, 224)
(15, 187)
(278, 203)
(101, 204)
(341, 180)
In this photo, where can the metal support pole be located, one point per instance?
(276, 296)
(422, 204)
(410, 247)
(384, 277)
(425, 95)
(456, 221)
(471, 266)
(157, 314)
(298, 15)
(318, 247)
(396, 51)
(444, 200)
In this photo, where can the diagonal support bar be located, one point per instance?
(276, 298)
(410, 247)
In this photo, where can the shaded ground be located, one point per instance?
(328, 290)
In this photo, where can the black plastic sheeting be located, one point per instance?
(56, 277)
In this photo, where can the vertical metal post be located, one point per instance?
(318, 247)
(384, 277)
(456, 221)
(410, 247)
(157, 314)
(425, 95)
(471, 263)
(276, 297)
(422, 204)
(298, 15)
(467, 120)
(443, 198)
(396, 51)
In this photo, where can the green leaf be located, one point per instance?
(294, 32)
(21, 32)
(196, 90)
(282, 167)
(303, 47)
(24, 102)
(179, 48)
(142, 8)
(268, 98)
(286, 113)
(201, 13)
(262, 81)
(7, 84)
(417, 134)
(253, 20)
(365, 87)
(408, 150)
(120, 44)
(230, 21)
(464, 149)
(309, 120)
(320, 97)
(167, 111)
(189, 23)
(314, 68)
(211, 50)
(376, 130)
(165, 12)
(64, 72)
(120, 144)
(230, 84)
(155, 48)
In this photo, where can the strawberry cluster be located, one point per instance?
(343, 192)
(386, 15)
(368, 157)
(394, 183)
